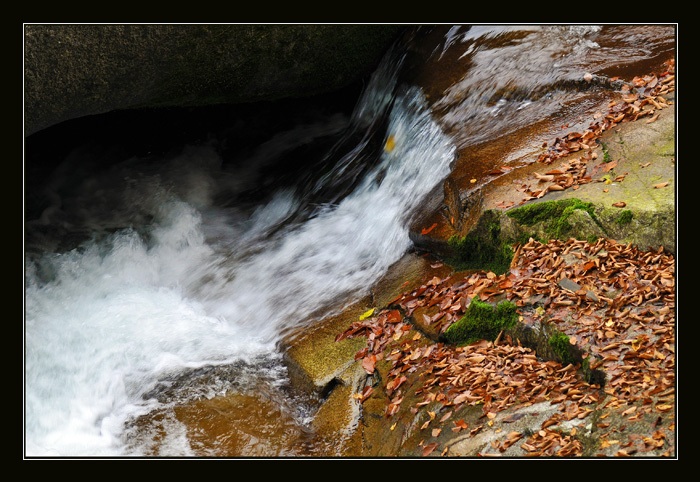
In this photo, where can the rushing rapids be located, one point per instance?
(153, 280)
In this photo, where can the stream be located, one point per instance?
(162, 274)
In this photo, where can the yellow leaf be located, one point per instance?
(390, 144)
(472, 181)
(367, 314)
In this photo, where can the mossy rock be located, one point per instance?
(482, 248)
(552, 344)
(482, 321)
(559, 219)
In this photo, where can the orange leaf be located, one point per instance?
(461, 424)
(394, 316)
(620, 204)
(660, 185)
(427, 230)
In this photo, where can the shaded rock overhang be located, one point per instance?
(76, 70)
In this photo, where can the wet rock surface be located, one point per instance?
(610, 394)
(588, 371)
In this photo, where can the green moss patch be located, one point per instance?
(625, 217)
(482, 248)
(553, 214)
(482, 321)
(560, 345)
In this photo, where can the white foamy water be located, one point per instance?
(200, 285)
(177, 276)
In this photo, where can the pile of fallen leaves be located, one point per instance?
(642, 97)
(614, 301)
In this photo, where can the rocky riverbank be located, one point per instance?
(589, 368)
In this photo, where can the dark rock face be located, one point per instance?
(76, 70)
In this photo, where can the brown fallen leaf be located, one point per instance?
(505, 204)
(620, 204)
(544, 177)
(368, 363)
(660, 185)
(630, 410)
(649, 121)
(428, 449)
(607, 166)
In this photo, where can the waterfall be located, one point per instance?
(190, 283)
(154, 280)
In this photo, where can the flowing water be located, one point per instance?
(171, 276)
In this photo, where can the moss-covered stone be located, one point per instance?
(482, 321)
(559, 342)
(555, 216)
(625, 217)
(482, 248)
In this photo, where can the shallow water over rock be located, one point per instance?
(160, 281)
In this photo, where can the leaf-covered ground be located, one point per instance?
(614, 302)
(617, 306)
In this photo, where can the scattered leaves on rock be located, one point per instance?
(642, 97)
(622, 316)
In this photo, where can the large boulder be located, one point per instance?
(74, 70)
